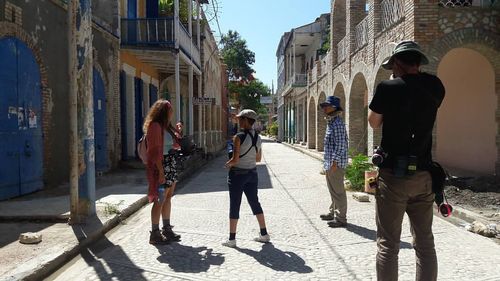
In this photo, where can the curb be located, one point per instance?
(46, 269)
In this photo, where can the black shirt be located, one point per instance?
(409, 107)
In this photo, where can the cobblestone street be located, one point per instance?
(293, 194)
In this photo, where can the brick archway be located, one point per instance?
(375, 135)
(13, 30)
(484, 42)
(311, 123)
(357, 114)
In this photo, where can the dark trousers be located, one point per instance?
(395, 197)
(243, 181)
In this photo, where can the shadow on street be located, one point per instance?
(278, 260)
(187, 259)
(372, 234)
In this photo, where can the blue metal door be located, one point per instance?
(100, 125)
(21, 143)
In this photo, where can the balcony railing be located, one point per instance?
(469, 3)
(342, 50)
(299, 80)
(361, 34)
(148, 31)
(392, 12)
(158, 32)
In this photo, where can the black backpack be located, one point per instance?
(242, 136)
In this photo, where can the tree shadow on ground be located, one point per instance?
(277, 259)
(371, 234)
(187, 259)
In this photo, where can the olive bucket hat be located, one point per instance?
(403, 47)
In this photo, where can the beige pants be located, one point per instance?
(395, 197)
(335, 181)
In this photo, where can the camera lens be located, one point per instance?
(377, 159)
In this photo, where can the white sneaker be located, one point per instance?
(230, 243)
(263, 238)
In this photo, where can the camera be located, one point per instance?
(379, 156)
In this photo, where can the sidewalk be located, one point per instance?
(118, 194)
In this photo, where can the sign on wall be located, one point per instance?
(203, 101)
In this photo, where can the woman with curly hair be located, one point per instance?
(161, 171)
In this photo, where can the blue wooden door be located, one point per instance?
(153, 94)
(21, 143)
(123, 113)
(132, 23)
(100, 125)
(139, 119)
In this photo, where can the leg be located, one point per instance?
(339, 197)
(330, 183)
(390, 209)
(156, 213)
(420, 212)
(235, 183)
(167, 206)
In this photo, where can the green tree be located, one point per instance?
(248, 94)
(236, 55)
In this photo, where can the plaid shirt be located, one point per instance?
(336, 144)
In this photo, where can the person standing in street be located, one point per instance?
(336, 147)
(243, 176)
(156, 124)
(406, 108)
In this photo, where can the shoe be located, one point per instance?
(335, 224)
(157, 238)
(263, 238)
(170, 234)
(230, 243)
(327, 217)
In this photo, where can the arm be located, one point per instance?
(375, 119)
(258, 157)
(339, 142)
(155, 148)
(236, 153)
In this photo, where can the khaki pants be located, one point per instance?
(395, 197)
(335, 181)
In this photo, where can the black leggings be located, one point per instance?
(240, 181)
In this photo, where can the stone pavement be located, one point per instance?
(293, 194)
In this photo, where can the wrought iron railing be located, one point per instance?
(392, 12)
(469, 3)
(361, 34)
(299, 80)
(148, 31)
(342, 50)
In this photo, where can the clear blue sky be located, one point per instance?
(262, 23)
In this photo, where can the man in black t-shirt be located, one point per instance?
(406, 108)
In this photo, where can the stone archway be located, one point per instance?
(311, 124)
(467, 115)
(339, 92)
(357, 115)
(320, 124)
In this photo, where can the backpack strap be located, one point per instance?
(255, 138)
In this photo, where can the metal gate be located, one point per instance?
(21, 143)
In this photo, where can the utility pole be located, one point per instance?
(81, 139)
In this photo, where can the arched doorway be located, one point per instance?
(466, 125)
(100, 123)
(21, 157)
(340, 93)
(311, 125)
(358, 119)
(320, 124)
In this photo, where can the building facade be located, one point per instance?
(34, 84)
(462, 41)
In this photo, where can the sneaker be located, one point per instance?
(230, 243)
(170, 234)
(157, 238)
(327, 217)
(263, 238)
(336, 224)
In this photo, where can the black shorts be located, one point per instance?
(170, 169)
